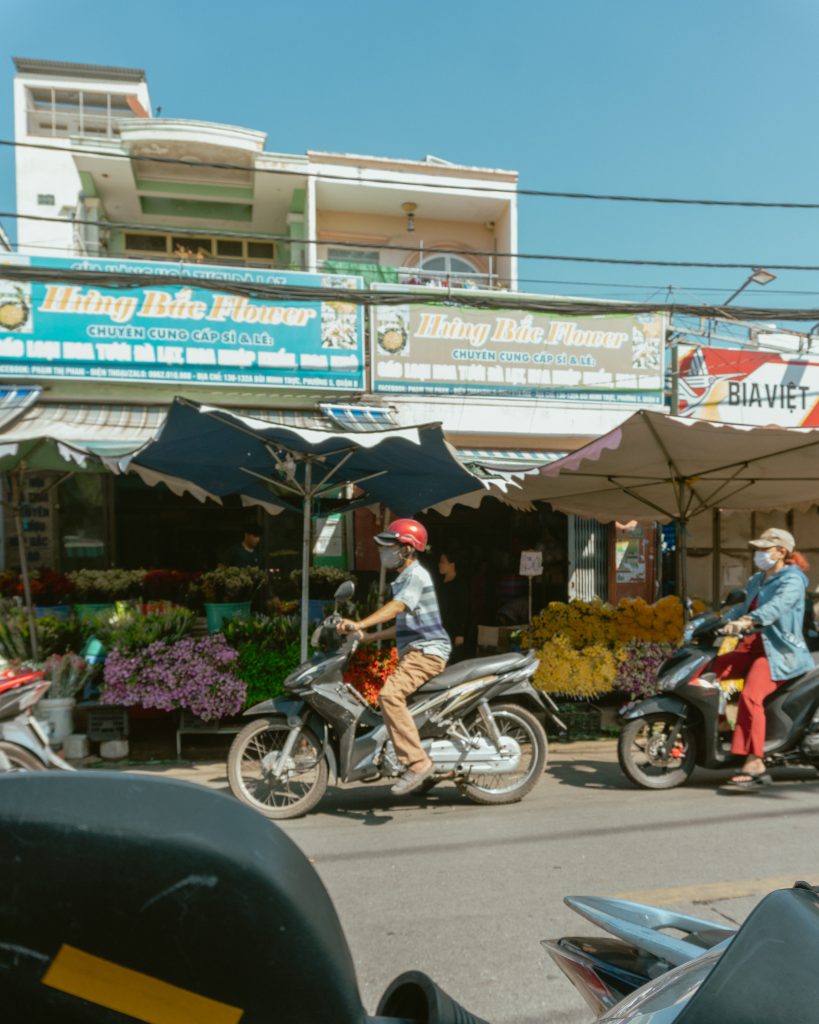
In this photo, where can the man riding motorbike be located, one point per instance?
(423, 643)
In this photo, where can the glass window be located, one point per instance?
(146, 243)
(229, 247)
(260, 250)
(82, 522)
(354, 255)
(449, 264)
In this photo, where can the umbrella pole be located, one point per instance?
(683, 550)
(305, 557)
(17, 509)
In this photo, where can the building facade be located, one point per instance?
(105, 182)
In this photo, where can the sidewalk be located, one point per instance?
(213, 773)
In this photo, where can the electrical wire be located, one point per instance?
(457, 297)
(358, 179)
(612, 260)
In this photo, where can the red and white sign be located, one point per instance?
(755, 389)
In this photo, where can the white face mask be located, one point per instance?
(764, 560)
(391, 556)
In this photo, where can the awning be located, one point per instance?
(507, 460)
(112, 430)
(14, 401)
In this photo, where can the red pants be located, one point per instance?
(748, 662)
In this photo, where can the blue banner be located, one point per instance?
(178, 333)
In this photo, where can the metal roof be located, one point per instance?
(59, 68)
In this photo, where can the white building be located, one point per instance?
(100, 174)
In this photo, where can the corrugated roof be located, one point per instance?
(32, 66)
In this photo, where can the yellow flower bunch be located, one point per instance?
(570, 672)
(659, 622)
(580, 622)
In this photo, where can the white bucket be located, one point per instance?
(58, 713)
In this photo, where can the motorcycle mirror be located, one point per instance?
(345, 591)
(734, 597)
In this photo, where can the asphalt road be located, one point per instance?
(466, 892)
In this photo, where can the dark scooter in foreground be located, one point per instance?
(665, 736)
(185, 906)
(478, 721)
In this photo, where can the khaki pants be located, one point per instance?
(412, 671)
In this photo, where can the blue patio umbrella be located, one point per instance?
(215, 453)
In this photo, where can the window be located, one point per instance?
(447, 264)
(344, 255)
(76, 112)
(45, 199)
(199, 248)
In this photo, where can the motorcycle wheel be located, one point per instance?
(256, 787)
(16, 759)
(642, 757)
(522, 726)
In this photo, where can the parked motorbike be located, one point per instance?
(665, 736)
(478, 721)
(23, 742)
(606, 969)
(765, 971)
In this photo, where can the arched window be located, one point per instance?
(446, 264)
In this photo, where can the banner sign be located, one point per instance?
(755, 389)
(436, 349)
(178, 334)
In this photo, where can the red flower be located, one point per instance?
(369, 669)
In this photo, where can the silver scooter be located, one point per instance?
(23, 741)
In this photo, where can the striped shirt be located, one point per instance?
(419, 627)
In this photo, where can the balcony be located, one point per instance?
(414, 276)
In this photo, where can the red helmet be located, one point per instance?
(404, 531)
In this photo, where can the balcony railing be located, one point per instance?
(414, 275)
(54, 121)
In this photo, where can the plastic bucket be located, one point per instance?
(88, 611)
(52, 611)
(58, 712)
(218, 614)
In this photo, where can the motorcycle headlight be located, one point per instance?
(662, 1000)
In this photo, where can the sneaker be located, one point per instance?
(411, 780)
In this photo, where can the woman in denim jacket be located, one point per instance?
(778, 652)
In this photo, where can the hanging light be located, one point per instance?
(409, 209)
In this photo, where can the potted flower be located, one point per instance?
(227, 591)
(195, 673)
(171, 586)
(51, 592)
(324, 582)
(68, 674)
(98, 590)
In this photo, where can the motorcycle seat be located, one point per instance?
(474, 668)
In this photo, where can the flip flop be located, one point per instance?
(750, 780)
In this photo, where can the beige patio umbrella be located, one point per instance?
(659, 468)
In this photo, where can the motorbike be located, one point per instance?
(714, 973)
(23, 741)
(155, 862)
(478, 721)
(638, 948)
(665, 736)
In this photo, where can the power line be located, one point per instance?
(458, 297)
(516, 191)
(613, 260)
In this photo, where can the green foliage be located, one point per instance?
(54, 636)
(129, 631)
(98, 586)
(324, 580)
(268, 632)
(264, 669)
(228, 583)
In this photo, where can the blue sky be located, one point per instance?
(706, 98)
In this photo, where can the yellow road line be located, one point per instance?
(706, 892)
(130, 992)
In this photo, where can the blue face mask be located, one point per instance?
(764, 560)
(391, 556)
